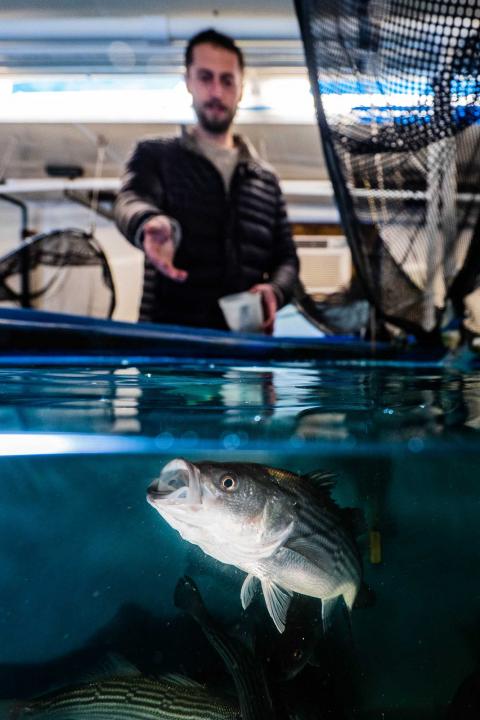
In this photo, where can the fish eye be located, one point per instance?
(228, 483)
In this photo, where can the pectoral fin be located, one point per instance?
(277, 601)
(248, 590)
(305, 546)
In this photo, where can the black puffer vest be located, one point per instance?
(230, 241)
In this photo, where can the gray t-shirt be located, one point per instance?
(224, 159)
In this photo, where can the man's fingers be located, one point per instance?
(267, 327)
(179, 275)
(269, 303)
(160, 238)
(170, 271)
(160, 252)
(269, 309)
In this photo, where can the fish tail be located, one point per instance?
(187, 598)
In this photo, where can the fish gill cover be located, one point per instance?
(396, 88)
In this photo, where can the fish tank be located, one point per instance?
(101, 591)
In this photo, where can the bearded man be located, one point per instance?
(208, 213)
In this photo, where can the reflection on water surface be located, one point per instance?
(266, 403)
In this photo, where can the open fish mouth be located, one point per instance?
(178, 483)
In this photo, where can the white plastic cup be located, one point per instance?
(243, 311)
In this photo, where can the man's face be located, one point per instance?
(215, 82)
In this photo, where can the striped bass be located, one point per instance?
(245, 668)
(170, 697)
(284, 530)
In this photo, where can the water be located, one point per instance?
(88, 565)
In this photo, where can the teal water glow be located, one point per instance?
(82, 552)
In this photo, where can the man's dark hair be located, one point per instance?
(212, 37)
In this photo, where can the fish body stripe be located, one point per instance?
(324, 531)
(144, 700)
(341, 555)
(251, 689)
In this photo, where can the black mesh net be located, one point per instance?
(396, 86)
(61, 271)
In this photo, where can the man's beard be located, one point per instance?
(215, 126)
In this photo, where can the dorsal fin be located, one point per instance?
(352, 518)
(321, 479)
(281, 476)
(316, 478)
(180, 680)
(317, 483)
(320, 485)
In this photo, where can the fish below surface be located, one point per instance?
(171, 697)
(284, 530)
(245, 669)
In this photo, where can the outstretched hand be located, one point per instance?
(160, 248)
(269, 304)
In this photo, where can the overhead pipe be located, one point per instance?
(158, 28)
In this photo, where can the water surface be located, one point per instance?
(87, 563)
